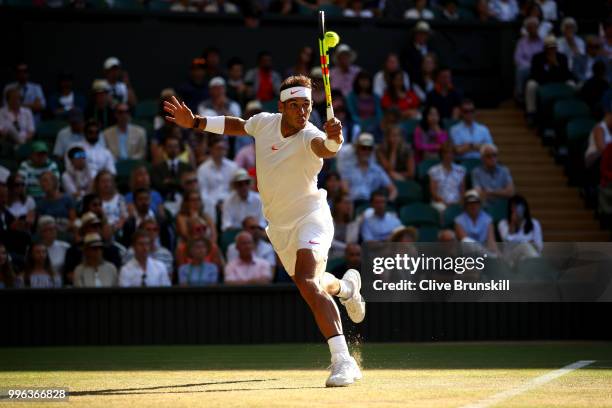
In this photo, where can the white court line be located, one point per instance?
(536, 382)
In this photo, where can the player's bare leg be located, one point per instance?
(348, 290)
(344, 369)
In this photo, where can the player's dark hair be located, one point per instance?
(296, 80)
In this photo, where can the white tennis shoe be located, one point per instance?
(355, 305)
(344, 372)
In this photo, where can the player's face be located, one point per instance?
(296, 111)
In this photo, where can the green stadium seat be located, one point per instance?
(577, 131)
(549, 93)
(124, 171)
(11, 164)
(498, 209)
(48, 129)
(23, 151)
(449, 215)
(428, 234)
(579, 128)
(470, 164)
(408, 126)
(424, 166)
(227, 237)
(408, 192)
(334, 263)
(448, 123)
(146, 109)
(568, 109)
(159, 5)
(7, 149)
(419, 215)
(466, 14)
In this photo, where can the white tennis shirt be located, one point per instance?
(287, 170)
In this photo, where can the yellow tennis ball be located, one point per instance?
(331, 39)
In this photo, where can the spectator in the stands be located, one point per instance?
(419, 11)
(303, 64)
(47, 231)
(21, 205)
(492, 180)
(215, 174)
(446, 180)
(469, 135)
(395, 155)
(94, 271)
(55, 203)
(334, 186)
(429, 136)
(236, 88)
(474, 224)
(447, 235)
(65, 99)
(365, 176)
(14, 232)
(582, 65)
(143, 270)
(159, 120)
(570, 44)
(76, 179)
(594, 89)
(444, 96)
(383, 77)
(195, 90)
(70, 135)
(185, 6)
(198, 272)
(359, 8)
(363, 105)
(379, 225)
(38, 272)
(483, 12)
(344, 71)
(412, 57)
(191, 208)
(16, 121)
(546, 28)
(32, 169)
(212, 56)
(113, 203)
(197, 228)
(284, 7)
(519, 229)
(606, 36)
(189, 183)
(352, 260)
(426, 81)
(346, 230)
(527, 47)
(548, 66)
(549, 9)
(125, 140)
(121, 90)
(140, 179)
(98, 156)
(263, 82)
(404, 234)
(450, 10)
(139, 211)
(8, 279)
(221, 7)
(504, 10)
(600, 137)
(91, 223)
(99, 107)
(158, 251)
(167, 174)
(263, 249)
(402, 99)
(247, 269)
(242, 202)
(219, 104)
(31, 94)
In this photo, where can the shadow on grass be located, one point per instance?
(409, 356)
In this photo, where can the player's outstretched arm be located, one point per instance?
(182, 116)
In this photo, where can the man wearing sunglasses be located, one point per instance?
(468, 135)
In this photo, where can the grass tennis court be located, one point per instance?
(414, 375)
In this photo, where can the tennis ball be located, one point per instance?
(331, 39)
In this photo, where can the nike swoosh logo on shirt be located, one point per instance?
(274, 147)
(313, 242)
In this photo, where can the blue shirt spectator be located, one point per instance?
(32, 95)
(476, 229)
(475, 225)
(379, 225)
(468, 135)
(491, 179)
(156, 200)
(202, 274)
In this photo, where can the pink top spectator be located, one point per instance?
(241, 272)
(246, 157)
(427, 145)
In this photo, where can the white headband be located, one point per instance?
(295, 92)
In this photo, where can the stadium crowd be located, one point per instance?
(98, 190)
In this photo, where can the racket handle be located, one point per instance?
(330, 112)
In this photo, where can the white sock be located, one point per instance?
(338, 348)
(346, 289)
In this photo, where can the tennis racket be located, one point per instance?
(324, 53)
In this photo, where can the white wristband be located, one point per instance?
(215, 124)
(332, 145)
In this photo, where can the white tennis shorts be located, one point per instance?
(315, 231)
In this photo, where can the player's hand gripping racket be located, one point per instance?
(327, 40)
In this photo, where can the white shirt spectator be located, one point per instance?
(114, 209)
(263, 250)
(235, 210)
(29, 92)
(504, 10)
(564, 48)
(549, 9)
(66, 138)
(415, 14)
(17, 126)
(379, 84)
(228, 8)
(119, 92)
(362, 14)
(215, 181)
(21, 209)
(534, 236)
(132, 275)
(449, 183)
(57, 255)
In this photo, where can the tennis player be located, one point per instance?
(289, 152)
